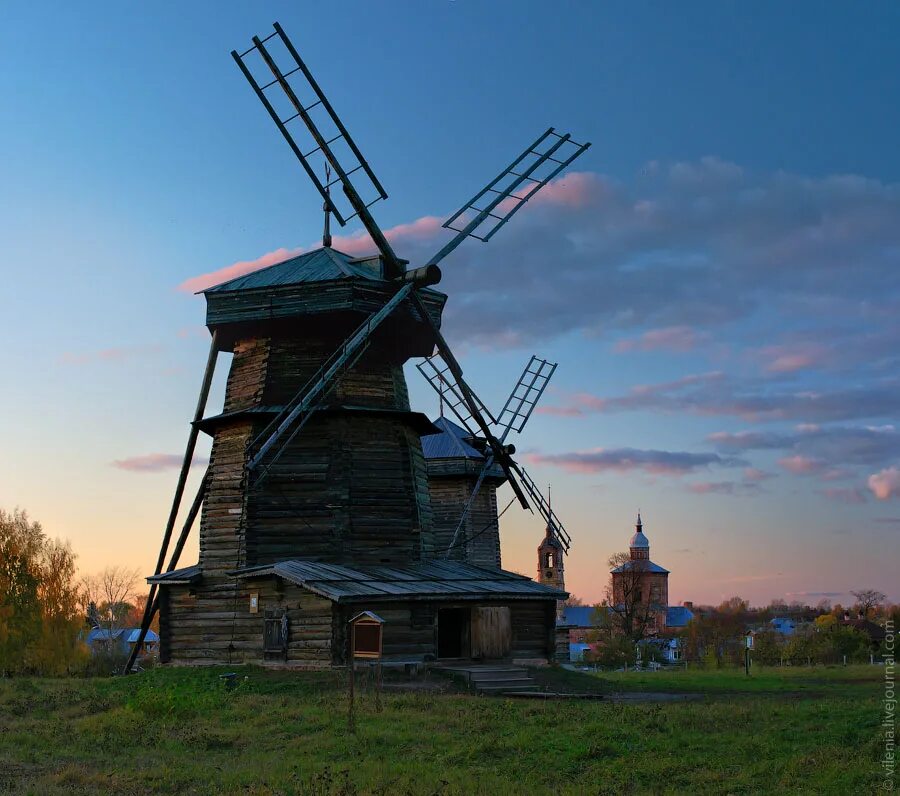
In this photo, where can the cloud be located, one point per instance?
(830, 453)
(851, 495)
(669, 338)
(722, 488)
(885, 484)
(115, 354)
(755, 475)
(802, 465)
(155, 462)
(699, 244)
(719, 394)
(656, 462)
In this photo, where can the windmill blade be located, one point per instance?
(472, 403)
(298, 411)
(525, 395)
(524, 172)
(437, 373)
(543, 507)
(324, 144)
(512, 417)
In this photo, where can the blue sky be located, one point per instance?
(719, 279)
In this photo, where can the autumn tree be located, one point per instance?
(633, 600)
(868, 600)
(112, 592)
(21, 541)
(39, 614)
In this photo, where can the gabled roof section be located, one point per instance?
(429, 580)
(319, 265)
(450, 443)
(644, 565)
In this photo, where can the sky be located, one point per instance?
(718, 277)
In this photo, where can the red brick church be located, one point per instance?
(640, 581)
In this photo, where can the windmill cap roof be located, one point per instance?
(319, 265)
(452, 441)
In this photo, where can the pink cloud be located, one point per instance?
(885, 484)
(572, 190)
(577, 404)
(801, 465)
(755, 475)
(233, 271)
(116, 354)
(792, 358)
(845, 495)
(655, 462)
(357, 245)
(671, 338)
(154, 462)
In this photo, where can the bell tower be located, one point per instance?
(551, 570)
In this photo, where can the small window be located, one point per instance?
(549, 559)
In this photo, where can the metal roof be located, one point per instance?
(578, 616)
(678, 616)
(320, 265)
(450, 443)
(177, 576)
(434, 580)
(129, 635)
(645, 566)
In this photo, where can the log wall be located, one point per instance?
(479, 539)
(198, 626)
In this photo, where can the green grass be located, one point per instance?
(789, 731)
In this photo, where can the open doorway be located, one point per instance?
(453, 631)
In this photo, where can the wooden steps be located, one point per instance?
(493, 679)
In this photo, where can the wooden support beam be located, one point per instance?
(179, 493)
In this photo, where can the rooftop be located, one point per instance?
(319, 265)
(428, 580)
(645, 565)
(449, 443)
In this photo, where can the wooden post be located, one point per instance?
(179, 492)
(378, 707)
(351, 718)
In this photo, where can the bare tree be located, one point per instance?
(632, 598)
(110, 592)
(573, 600)
(868, 600)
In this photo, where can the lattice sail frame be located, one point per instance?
(526, 172)
(513, 416)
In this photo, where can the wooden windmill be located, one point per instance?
(316, 474)
(464, 475)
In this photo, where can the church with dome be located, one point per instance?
(638, 579)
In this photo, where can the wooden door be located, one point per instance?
(491, 632)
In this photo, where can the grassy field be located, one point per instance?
(789, 731)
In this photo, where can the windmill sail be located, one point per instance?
(513, 417)
(325, 142)
(508, 192)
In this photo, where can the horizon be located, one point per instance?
(717, 276)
